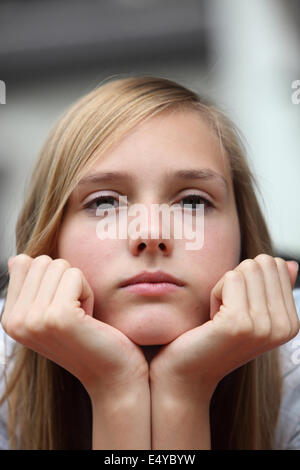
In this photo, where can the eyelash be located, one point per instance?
(207, 203)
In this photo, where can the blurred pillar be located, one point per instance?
(256, 59)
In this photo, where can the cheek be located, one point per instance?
(220, 252)
(82, 249)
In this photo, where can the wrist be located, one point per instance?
(177, 390)
(123, 393)
(180, 419)
(121, 417)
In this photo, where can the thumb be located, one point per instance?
(216, 297)
(293, 267)
(87, 297)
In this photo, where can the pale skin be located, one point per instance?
(151, 366)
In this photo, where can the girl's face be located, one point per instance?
(151, 155)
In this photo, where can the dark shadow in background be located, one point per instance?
(54, 37)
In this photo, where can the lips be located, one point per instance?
(152, 278)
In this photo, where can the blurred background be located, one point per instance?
(242, 54)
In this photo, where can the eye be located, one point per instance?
(193, 199)
(108, 202)
(102, 202)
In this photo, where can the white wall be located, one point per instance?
(256, 61)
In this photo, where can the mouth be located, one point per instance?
(152, 288)
(157, 277)
(152, 283)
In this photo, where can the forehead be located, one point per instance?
(171, 142)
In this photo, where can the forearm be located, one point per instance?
(122, 420)
(179, 422)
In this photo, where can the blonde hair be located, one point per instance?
(41, 395)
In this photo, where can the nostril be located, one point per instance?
(142, 245)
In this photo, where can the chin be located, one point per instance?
(150, 336)
(148, 325)
(150, 341)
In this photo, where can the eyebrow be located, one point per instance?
(186, 174)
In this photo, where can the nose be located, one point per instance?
(148, 245)
(149, 238)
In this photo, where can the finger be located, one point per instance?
(50, 281)
(257, 297)
(275, 298)
(18, 269)
(216, 298)
(286, 279)
(293, 268)
(73, 287)
(10, 262)
(33, 279)
(230, 291)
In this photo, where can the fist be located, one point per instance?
(49, 309)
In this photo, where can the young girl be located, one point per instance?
(102, 362)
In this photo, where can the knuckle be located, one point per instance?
(60, 263)
(233, 275)
(22, 259)
(241, 327)
(54, 320)
(294, 331)
(281, 331)
(42, 259)
(287, 331)
(73, 271)
(34, 319)
(296, 327)
(245, 328)
(15, 329)
(266, 261)
(280, 262)
(50, 319)
(33, 326)
(263, 330)
(250, 265)
(262, 257)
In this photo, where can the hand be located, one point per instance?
(252, 311)
(49, 309)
